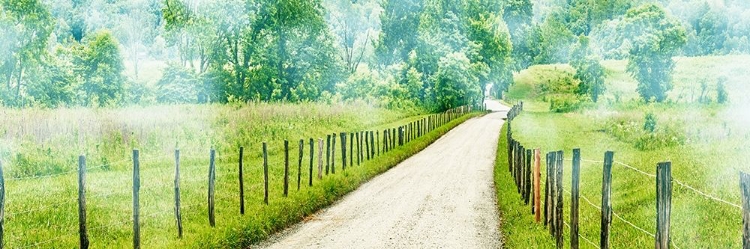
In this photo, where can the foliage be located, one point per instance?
(100, 67)
(589, 71)
(455, 85)
(178, 86)
(649, 124)
(722, 97)
(658, 38)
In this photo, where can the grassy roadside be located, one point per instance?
(517, 224)
(42, 212)
(704, 142)
(285, 212)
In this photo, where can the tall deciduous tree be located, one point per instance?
(589, 72)
(658, 38)
(399, 22)
(25, 26)
(100, 68)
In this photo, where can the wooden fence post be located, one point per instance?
(377, 143)
(83, 236)
(663, 204)
(372, 144)
(552, 193)
(242, 186)
(265, 173)
(212, 188)
(400, 136)
(136, 205)
(367, 144)
(606, 201)
(312, 155)
(537, 189)
(744, 188)
(286, 168)
(320, 159)
(299, 166)
(359, 149)
(333, 155)
(559, 196)
(177, 213)
(546, 191)
(343, 151)
(574, 198)
(2, 205)
(328, 153)
(527, 177)
(351, 149)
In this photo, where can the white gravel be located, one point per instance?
(442, 197)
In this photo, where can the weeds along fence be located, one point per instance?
(524, 165)
(311, 154)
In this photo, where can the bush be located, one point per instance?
(565, 103)
(629, 131)
(650, 123)
(721, 92)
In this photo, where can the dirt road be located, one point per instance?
(442, 197)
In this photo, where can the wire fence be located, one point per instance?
(152, 178)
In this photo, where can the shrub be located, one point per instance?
(650, 123)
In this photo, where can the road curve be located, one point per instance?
(442, 197)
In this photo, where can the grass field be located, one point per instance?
(705, 141)
(39, 150)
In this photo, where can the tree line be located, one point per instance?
(431, 54)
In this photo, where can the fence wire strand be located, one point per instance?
(678, 182)
(582, 237)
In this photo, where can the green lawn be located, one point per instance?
(703, 141)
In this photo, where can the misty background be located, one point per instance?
(427, 54)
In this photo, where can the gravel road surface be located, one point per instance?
(442, 197)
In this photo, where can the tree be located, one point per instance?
(100, 68)
(589, 72)
(25, 26)
(492, 46)
(518, 17)
(354, 27)
(455, 83)
(399, 22)
(658, 38)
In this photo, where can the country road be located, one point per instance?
(442, 197)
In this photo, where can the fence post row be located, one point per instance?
(606, 201)
(83, 236)
(663, 203)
